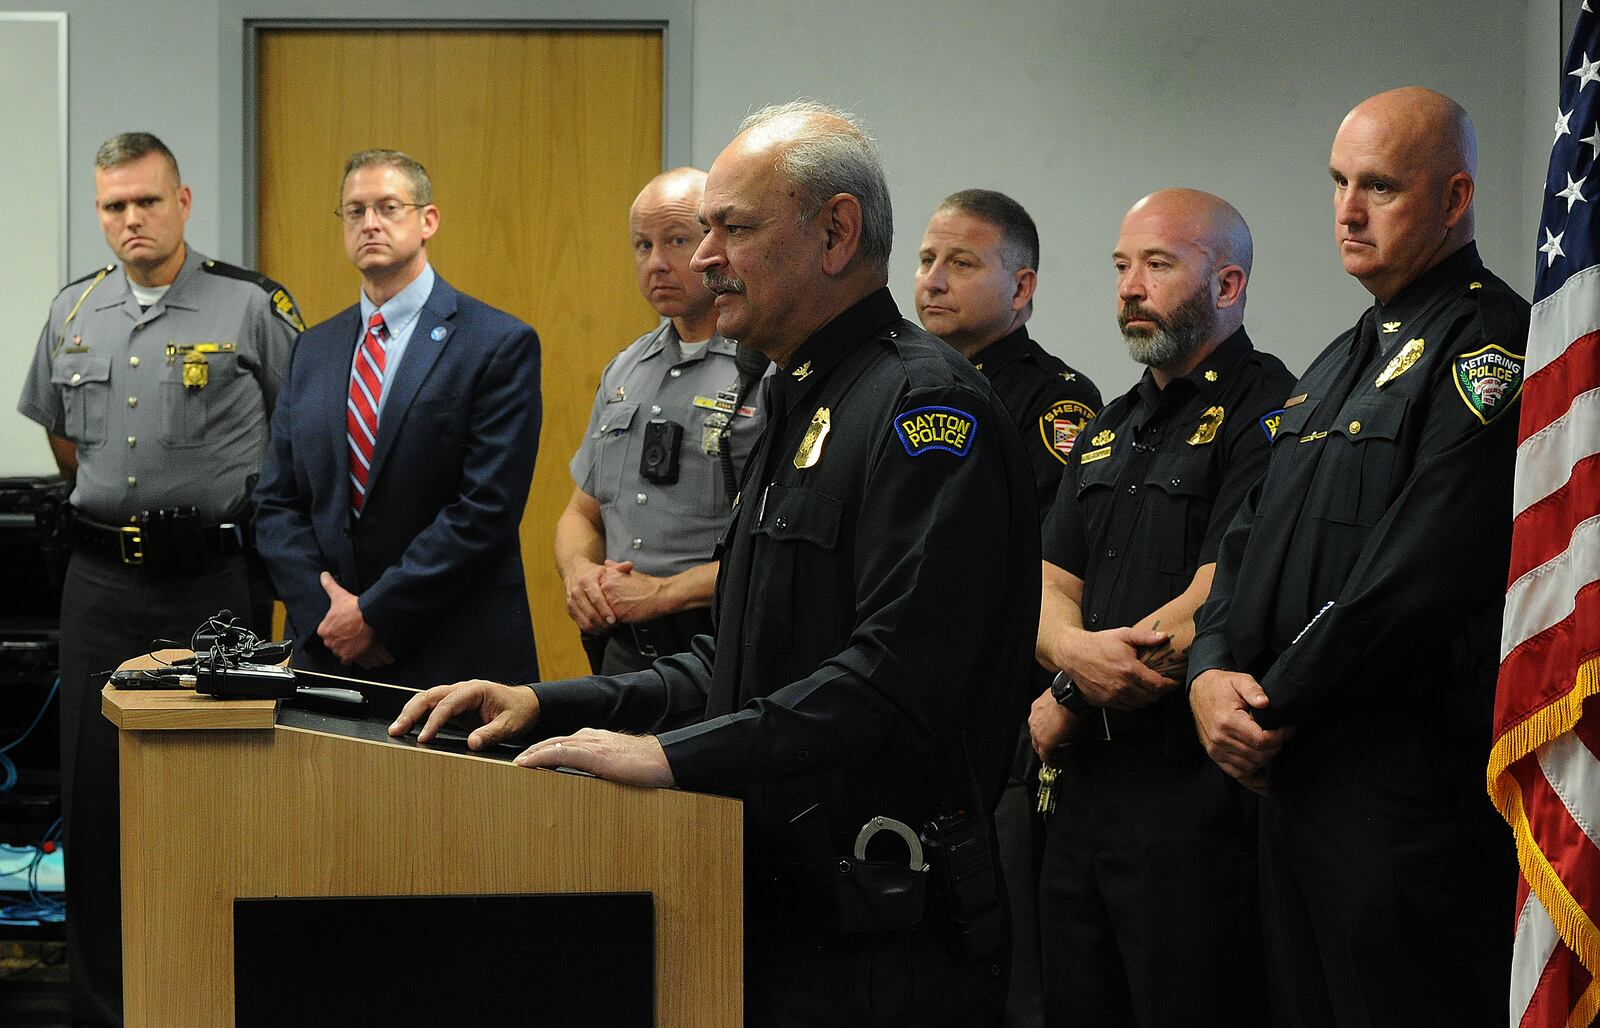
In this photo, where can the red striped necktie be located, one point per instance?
(361, 412)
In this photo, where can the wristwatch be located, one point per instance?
(1066, 693)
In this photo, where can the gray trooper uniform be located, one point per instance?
(168, 408)
(665, 529)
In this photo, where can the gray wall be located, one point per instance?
(1076, 107)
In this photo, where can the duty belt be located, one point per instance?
(171, 538)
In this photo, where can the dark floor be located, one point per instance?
(33, 985)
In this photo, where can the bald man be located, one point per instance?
(1345, 663)
(673, 423)
(1148, 890)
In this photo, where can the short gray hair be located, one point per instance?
(131, 146)
(822, 160)
(415, 173)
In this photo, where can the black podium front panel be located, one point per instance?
(577, 959)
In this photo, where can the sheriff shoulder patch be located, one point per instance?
(1059, 427)
(1488, 380)
(1270, 422)
(935, 428)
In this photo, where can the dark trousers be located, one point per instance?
(1021, 834)
(1147, 899)
(635, 647)
(889, 980)
(1388, 880)
(109, 613)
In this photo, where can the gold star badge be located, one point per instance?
(1211, 376)
(802, 371)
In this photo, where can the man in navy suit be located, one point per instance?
(402, 450)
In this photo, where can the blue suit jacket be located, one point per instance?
(435, 555)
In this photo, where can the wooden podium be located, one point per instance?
(220, 801)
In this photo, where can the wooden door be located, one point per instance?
(537, 142)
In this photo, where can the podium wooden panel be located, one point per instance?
(219, 802)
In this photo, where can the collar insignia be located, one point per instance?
(802, 371)
(1211, 376)
(1391, 326)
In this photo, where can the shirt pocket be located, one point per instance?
(611, 450)
(187, 412)
(85, 383)
(796, 605)
(1362, 446)
(1180, 489)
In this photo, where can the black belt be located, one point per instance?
(128, 544)
(1108, 725)
(666, 635)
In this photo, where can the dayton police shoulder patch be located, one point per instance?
(935, 428)
(1059, 427)
(1489, 380)
(1270, 422)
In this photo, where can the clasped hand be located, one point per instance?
(1110, 670)
(601, 595)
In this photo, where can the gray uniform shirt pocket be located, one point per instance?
(85, 383)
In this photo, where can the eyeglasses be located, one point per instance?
(388, 210)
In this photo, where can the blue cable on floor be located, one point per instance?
(7, 765)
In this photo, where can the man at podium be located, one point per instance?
(876, 605)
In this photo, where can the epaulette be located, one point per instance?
(282, 302)
(108, 269)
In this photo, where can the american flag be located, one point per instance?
(1544, 772)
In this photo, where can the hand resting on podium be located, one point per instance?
(509, 711)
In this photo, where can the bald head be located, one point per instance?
(1206, 220)
(676, 187)
(1403, 166)
(664, 227)
(1437, 128)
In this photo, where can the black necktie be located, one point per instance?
(1350, 376)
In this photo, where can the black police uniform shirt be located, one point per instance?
(885, 589)
(1157, 477)
(1374, 553)
(1049, 402)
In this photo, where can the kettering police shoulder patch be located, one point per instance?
(1270, 422)
(935, 428)
(1489, 380)
(1059, 427)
